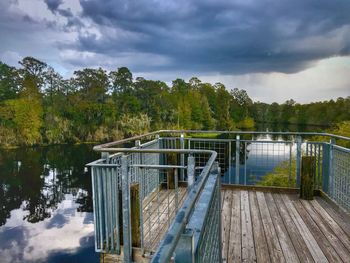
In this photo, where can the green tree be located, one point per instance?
(9, 82)
(36, 69)
(122, 80)
(24, 114)
(222, 113)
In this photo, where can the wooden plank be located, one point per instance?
(297, 240)
(309, 239)
(222, 199)
(163, 226)
(161, 206)
(261, 248)
(235, 244)
(152, 205)
(226, 223)
(150, 215)
(286, 244)
(147, 200)
(248, 249)
(327, 232)
(332, 223)
(275, 249)
(322, 241)
(341, 218)
(151, 227)
(137, 256)
(270, 189)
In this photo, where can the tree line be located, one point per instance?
(39, 106)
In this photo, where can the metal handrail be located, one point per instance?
(105, 147)
(170, 240)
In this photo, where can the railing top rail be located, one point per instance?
(171, 238)
(106, 147)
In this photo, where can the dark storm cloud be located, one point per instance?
(221, 36)
(53, 5)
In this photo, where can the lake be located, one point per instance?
(46, 206)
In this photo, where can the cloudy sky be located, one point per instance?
(275, 49)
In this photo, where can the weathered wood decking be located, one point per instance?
(278, 227)
(260, 226)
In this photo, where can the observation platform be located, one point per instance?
(177, 196)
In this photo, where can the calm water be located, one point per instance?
(45, 205)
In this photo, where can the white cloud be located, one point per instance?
(328, 79)
(10, 57)
(40, 240)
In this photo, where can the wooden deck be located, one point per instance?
(158, 212)
(278, 227)
(259, 226)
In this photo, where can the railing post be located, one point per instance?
(135, 214)
(237, 159)
(190, 170)
(138, 156)
(139, 173)
(172, 173)
(331, 172)
(184, 252)
(105, 155)
(171, 160)
(245, 163)
(308, 173)
(290, 165)
(298, 160)
(182, 156)
(325, 167)
(229, 162)
(126, 210)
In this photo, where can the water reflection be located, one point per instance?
(256, 159)
(46, 205)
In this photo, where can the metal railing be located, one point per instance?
(143, 165)
(332, 163)
(246, 158)
(201, 240)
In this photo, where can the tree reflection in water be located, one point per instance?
(37, 179)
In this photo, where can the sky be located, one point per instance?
(274, 49)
